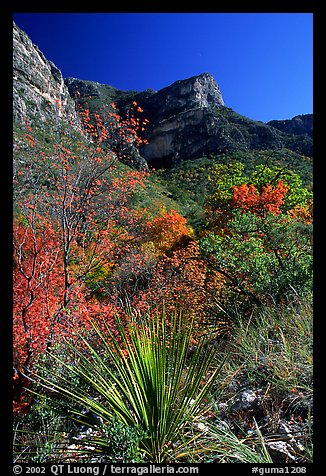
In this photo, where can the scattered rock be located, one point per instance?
(281, 447)
(245, 400)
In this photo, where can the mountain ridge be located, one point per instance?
(180, 129)
(187, 119)
(299, 124)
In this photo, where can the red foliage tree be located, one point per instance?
(41, 315)
(38, 285)
(123, 135)
(71, 216)
(248, 198)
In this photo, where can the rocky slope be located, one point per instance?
(302, 124)
(38, 86)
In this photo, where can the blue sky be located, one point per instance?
(263, 62)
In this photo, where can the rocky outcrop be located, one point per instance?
(180, 119)
(179, 115)
(197, 92)
(208, 128)
(39, 90)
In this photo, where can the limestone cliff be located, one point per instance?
(179, 118)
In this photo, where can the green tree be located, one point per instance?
(296, 193)
(263, 258)
(225, 178)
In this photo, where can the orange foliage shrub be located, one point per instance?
(165, 230)
(303, 214)
(177, 283)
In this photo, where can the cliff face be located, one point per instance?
(197, 92)
(189, 119)
(38, 85)
(180, 118)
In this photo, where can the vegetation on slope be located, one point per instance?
(212, 259)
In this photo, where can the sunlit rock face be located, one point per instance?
(197, 92)
(38, 86)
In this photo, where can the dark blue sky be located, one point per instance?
(263, 62)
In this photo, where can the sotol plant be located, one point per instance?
(149, 376)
